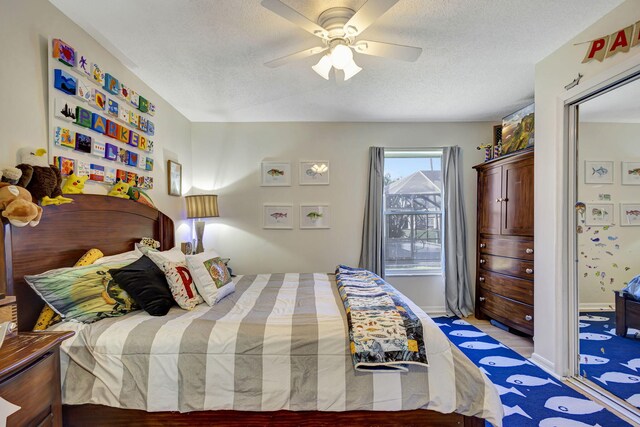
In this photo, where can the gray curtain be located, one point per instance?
(372, 251)
(455, 265)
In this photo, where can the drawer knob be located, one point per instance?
(498, 200)
(529, 270)
(483, 245)
(482, 299)
(529, 250)
(482, 261)
(481, 279)
(528, 318)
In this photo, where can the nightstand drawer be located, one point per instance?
(35, 389)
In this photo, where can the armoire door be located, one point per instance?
(489, 205)
(517, 204)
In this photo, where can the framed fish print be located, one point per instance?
(276, 174)
(630, 173)
(630, 214)
(277, 216)
(598, 172)
(315, 216)
(599, 214)
(314, 172)
(174, 170)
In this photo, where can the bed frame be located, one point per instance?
(66, 232)
(627, 313)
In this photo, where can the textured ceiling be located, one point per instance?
(206, 56)
(620, 105)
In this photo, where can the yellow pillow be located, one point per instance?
(49, 317)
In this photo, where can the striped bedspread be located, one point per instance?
(279, 342)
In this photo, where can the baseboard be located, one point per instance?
(544, 364)
(596, 306)
(434, 310)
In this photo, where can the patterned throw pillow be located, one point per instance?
(83, 294)
(181, 284)
(211, 276)
(48, 317)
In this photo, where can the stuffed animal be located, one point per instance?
(41, 179)
(11, 175)
(17, 207)
(120, 189)
(140, 196)
(74, 184)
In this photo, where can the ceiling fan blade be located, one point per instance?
(295, 56)
(388, 50)
(367, 15)
(291, 15)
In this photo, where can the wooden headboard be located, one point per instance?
(65, 233)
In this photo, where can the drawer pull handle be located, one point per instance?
(528, 318)
(529, 270)
(483, 245)
(482, 261)
(481, 279)
(529, 250)
(482, 299)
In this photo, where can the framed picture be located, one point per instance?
(276, 174)
(599, 214)
(630, 173)
(315, 216)
(629, 214)
(278, 216)
(518, 130)
(175, 178)
(314, 172)
(598, 172)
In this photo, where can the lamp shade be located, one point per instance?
(202, 206)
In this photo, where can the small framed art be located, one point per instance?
(277, 216)
(630, 214)
(314, 172)
(276, 174)
(630, 173)
(598, 172)
(599, 214)
(175, 178)
(315, 216)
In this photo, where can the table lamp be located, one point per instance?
(198, 207)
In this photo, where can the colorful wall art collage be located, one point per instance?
(100, 127)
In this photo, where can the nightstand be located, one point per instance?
(30, 377)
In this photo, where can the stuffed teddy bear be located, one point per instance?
(120, 190)
(17, 207)
(74, 184)
(41, 179)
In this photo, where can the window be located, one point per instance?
(413, 212)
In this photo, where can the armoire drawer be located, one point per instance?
(508, 266)
(507, 311)
(522, 249)
(509, 287)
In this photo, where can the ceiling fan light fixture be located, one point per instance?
(341, 56)
(323, 67)
(351, 70)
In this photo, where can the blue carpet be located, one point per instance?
(530, 396)
(608, 360)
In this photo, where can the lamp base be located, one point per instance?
(199, 225)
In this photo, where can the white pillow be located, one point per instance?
(131, 256)
(159, 258)
(181, 284)
(210, 276)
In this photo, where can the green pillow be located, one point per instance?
(83, 294)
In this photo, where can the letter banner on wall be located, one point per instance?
(607, 46)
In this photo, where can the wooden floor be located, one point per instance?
(522, 345)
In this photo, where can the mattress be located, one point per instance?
(279, 342)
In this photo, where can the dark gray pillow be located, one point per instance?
(146, 284)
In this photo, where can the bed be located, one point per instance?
(273, 353)
(627, 313)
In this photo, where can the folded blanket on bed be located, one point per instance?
(384, 333)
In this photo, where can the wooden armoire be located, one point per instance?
(504, 270)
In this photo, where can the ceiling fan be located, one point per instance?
(339, 28)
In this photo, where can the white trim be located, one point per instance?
(434, 310)
(544, 364)
(596, 306)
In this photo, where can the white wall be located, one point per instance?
(25, 27)
(226, 160)
(608, 257)
(552, 74)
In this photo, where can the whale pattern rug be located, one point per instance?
(608, 360)
(530, 396)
